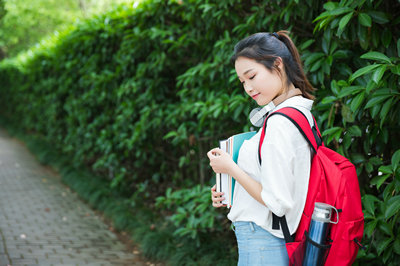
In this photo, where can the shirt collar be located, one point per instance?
(296, 101)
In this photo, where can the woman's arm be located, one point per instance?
(221, 162)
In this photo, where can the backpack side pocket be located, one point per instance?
(344, 247)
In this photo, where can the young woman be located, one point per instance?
(269, 67)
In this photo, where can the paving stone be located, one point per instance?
(43, 222)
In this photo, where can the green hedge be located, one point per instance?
(140, 95)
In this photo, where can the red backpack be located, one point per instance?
(333, 180)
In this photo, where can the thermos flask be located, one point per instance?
(321, 218)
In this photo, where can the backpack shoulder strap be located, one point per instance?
(312, 135)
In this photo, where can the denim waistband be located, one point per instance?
(251, 225)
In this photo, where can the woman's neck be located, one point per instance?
(286, 95)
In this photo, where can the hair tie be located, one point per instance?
(276, 35)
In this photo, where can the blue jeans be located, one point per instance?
(259, 247)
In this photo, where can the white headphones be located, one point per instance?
(258, 115)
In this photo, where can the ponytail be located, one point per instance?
(297, 76)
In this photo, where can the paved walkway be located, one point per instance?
(42, 222)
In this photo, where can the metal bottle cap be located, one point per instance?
(322, 212)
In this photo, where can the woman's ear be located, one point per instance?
(279, 63)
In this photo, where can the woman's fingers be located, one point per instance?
(217, 205)
(214, 193)
(217, 195)
(210, 155)
(216, 198)
(214, 152)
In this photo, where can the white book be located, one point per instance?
(222, 179)
(224, 182)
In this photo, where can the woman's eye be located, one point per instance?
(252, 77)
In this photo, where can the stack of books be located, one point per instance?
(224, 182)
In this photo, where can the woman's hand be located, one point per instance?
(220, 161)
(217, 198)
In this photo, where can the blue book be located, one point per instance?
(226, 183)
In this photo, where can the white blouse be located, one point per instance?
(284, 172)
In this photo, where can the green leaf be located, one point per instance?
(343, 22)
(334, 87)
(383, 245)
(349, 90)
(334, 12)
(369, 203)
(357, 101)
(334, 45)
(346, 141)
(363, 71)
(375, 38)
(362, 34)
(375, 161)
(385, 110)
(217, 111)
(335, 135)
(385, 227)
(395, 160)
(388, 192)
(355, 131)
(386, 37)
(386, 169)
(316, 65)
(330, 6)
(393, 206)
(387, 253)
(238, 111)
(306, 44)
(384, 91)
(369, 167)
(325, 45)
(347, 114)
(376, 56)
(378, 73)
(313, 57)
(376, 100)
(365, 19)
(171, 134)
(340, 10)
(357, 158)
(370, 227)
(396, 245)
(331, 131)
(395, 70)
(398, 47)
(328, 99)
(379, 17)
(370, 86)
(379, 180)
(343, 83)
(340, 54)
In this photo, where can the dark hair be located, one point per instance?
(266, 47)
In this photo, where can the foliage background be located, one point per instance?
(139, 95)
(26, 22)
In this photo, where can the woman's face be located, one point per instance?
(260, 83)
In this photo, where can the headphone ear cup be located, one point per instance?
(256, 119)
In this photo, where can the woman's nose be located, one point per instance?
(248, 88)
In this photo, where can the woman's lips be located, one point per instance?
(255, 96)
